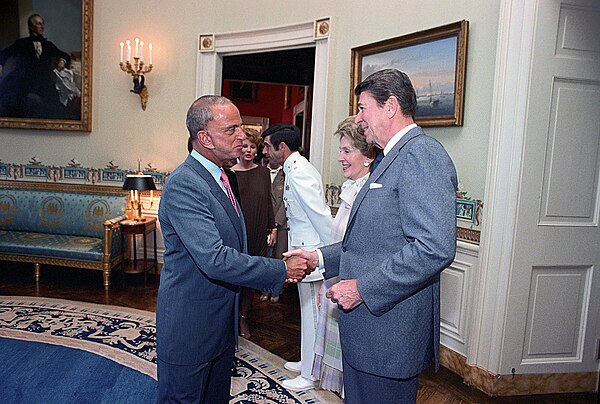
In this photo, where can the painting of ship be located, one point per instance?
(432, 102)
(433, 59)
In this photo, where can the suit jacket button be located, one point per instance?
(344, 249)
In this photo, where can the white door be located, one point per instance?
(554, 293)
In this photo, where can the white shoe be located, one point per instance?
(293, 366)
(298, 383)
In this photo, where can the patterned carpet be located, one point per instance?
(127, 336)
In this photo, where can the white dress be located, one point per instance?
(327, 365)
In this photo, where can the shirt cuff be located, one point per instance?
(321, 266)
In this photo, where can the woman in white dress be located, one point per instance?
(356, 157)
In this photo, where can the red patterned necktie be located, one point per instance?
(225, 180)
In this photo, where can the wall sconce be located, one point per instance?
(136, 183)
(138, 68)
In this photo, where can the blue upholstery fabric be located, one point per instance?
(56, 212)
(62, 224)
(51, 245)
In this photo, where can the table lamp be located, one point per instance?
(136, 183)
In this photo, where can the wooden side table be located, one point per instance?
(130, 229)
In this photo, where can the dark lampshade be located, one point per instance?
(135, 183)
(139, 182)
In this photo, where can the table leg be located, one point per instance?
(134, 250)
(155, 256)
(145, 260)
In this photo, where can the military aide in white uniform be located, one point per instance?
(309, 221)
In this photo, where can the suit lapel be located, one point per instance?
(218, 193)
(379, 170)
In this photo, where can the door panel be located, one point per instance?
(555, 280)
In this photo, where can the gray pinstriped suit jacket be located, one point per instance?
(401, 234)
(203, 267)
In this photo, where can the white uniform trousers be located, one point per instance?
(309, 313)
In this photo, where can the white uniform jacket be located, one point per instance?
(309, 217)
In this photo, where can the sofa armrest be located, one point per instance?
(111, 247)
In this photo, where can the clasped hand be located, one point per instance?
(297, 268)
(345, 293)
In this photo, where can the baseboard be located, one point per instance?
(519, 384)
(453, 361)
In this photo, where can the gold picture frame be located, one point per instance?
(77, 115)
(257, 123)
(434, 59)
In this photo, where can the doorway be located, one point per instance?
(272, 87)
(213, 48)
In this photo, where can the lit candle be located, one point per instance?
(137, 46)
(142, 51)
(128, 42)
(150, 48)
(121, 44)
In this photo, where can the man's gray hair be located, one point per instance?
(200, 113)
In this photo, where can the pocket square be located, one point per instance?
(375, 185)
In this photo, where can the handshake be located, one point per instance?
(298, 265)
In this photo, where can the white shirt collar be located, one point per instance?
(397, 138)
(351, 187)
(273, 172)
(212, 168)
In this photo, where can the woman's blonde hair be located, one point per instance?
(349, 129)
(253, 135)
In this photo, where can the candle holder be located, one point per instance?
(136, 183)
(137, 69)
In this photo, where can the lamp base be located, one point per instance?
(137, 208)
(139, 217)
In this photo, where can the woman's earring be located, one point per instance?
(367, 163)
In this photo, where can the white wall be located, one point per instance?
(124, 133)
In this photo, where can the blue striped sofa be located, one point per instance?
(61, 224)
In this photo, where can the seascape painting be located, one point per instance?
(432, 69)
(435, 61)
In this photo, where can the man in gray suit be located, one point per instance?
(205, 262)
(401, 234)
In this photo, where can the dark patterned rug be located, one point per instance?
(127, 336)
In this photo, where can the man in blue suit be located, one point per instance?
(205, 262)
(389, 295)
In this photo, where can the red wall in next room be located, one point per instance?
(268, 102)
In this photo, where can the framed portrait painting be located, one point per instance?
(434, 59)
(243, 91)
(46, 64)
